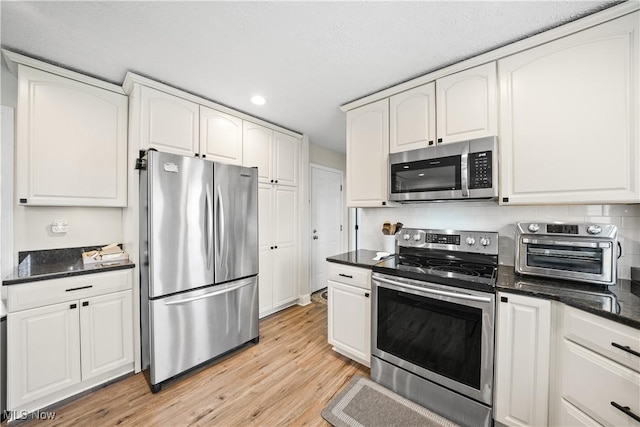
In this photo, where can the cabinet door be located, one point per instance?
(44, 355)
(284, 269)
(220, 136)
(71, 142)
(569, 118)
(522, 360)
(467, 104)
(285, 159)
(413, 119)
(168, 123)
(106, 333)
(257, 142)
(266, 238)
(368, 155)
(349, 316)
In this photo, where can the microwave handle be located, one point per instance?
(464, 170)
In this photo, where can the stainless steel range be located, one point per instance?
(433, 309)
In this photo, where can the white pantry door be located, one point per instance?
(326, 221)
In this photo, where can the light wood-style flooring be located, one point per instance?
(284, 380)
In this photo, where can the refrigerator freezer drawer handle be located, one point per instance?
(212, 294)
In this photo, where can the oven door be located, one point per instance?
(441, 333)
(573, 259)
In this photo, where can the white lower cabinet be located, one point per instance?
(44, 352)
(522, 360)
(106, 333)
(349, 312)
(61, 349)
(598, 377)
(277, 247)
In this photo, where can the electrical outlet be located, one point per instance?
(59, 226)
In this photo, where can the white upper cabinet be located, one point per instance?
(467, 104)
(257, 149)
(569, 118)
(71, 142)
(285, 157)
(220, 136)
(413, 119)
(273, 153)
(169, 124)
(368, 155)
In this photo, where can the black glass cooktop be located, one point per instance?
(457, 269)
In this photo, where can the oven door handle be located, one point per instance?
(436, 291)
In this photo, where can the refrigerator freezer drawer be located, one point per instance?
(193, 327)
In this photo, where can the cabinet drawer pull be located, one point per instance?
(77, 289)
(625, 348)
(626, 410)
(346, 275)
(72, 306)
(85, 303)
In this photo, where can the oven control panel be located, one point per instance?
(485, 242)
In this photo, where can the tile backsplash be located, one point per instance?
(489, 216)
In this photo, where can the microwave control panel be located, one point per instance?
(480, 170)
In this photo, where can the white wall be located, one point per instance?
(489, 216)
(31, 225)
(320, 155)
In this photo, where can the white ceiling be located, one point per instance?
(306, 58)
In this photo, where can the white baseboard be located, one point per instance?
(304, 299)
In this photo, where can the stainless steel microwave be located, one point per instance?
(457, 171)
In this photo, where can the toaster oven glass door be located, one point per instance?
(581, 260)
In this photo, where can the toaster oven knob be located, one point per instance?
(594, 229)
(470, 241)
(534, 228)
(416, 237)
(406, 236)
(485, 241)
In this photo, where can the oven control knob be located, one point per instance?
(416, 237)
(406, 236)
(534, 228)
(485, 241)
(594, 229)
(470, 241)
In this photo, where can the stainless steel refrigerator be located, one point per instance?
(199, 262)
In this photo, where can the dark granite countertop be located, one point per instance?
(620, 302)
(362, 258)
(57, 263)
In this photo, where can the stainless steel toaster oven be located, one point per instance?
(580, 252)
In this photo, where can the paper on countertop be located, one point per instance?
(108, 253)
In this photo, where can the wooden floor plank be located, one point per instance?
(284, 380)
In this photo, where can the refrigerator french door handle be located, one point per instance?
(212, 294)
(220, 235)
(209, 225)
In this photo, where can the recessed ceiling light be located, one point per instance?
(406, 166)
(258, 100)
(420, 174)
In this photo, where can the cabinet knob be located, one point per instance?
(366, 295)
(72, 306)
(204, 156)
(85, 303)
(271, 247)
(430, 142)
(271, 181)
(439, 139)
(275, 247)
(276, 181)
(504, 299)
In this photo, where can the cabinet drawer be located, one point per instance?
(45, 292)
(360, 277)
(603, 336)
(592, 382)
